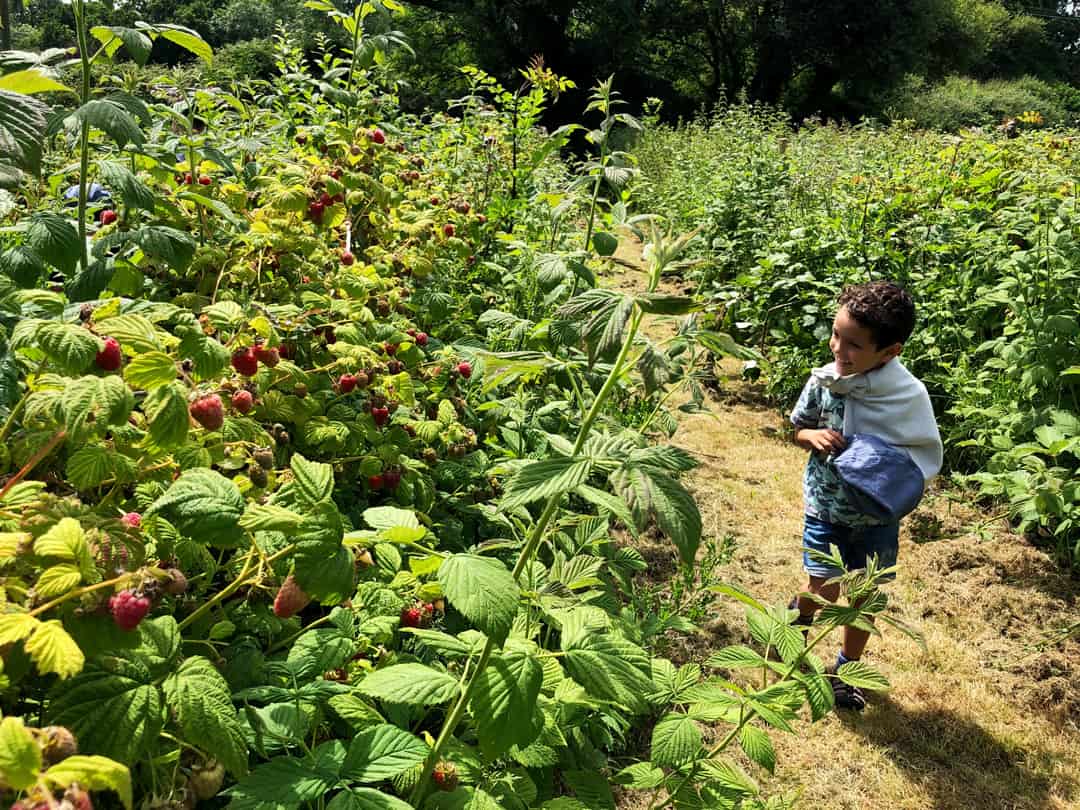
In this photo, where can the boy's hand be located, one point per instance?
(825, 440)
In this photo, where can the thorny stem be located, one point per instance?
(108, 583)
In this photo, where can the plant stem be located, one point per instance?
(77, 592)
(33, 462)
(79, 10)
(236, 584)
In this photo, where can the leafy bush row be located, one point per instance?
(983, 231)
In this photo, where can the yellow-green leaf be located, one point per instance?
(93, 773)
(31, 81)
(53, 650)
(150, 370)
(9, 545)
(64, 541)
(20, 756)
(58, 580)
(15, 627)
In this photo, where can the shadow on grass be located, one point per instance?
(958, 763)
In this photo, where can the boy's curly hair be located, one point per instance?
(885, 308)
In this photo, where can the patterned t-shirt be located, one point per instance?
(827, 497)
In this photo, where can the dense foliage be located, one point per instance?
(316, 427)
(983, 230)
(838, 58)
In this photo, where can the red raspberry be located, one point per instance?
(290, 599)
(188, 179)
(208, 412)
(412, 616)
(448, 229)
(128, 609)
(242, 401)
(390, 348)
(346, 383)
(377, 136)
(132, 520)
(347, 258)
(380, 415)
(463, 207)
(464, 369)
(375, 481)
(204, 180)
(245, 361)
(445, 776)
(267, 355)
(421, 339)
(109, 358)
(392, 478)
(108, 217)
(326, 199)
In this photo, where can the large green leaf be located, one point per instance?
(483, 590)
(283, 783)
(20, 755)
(132, 191)
(115, 713)
(382, 752)
(166, 408)
(757, 745)
(862, 675)
(92, 773)
(411, 684)
(607, 665)
(544, 478)
(150, 370)
(203, 505)
(70, 348)
(187, 39)
(318, 651)
(312, 480)
(112, 119)
(503, 703)
(676, 740)
(199, 698)
(136, 43)
(325, 577)
(89, 466)
(174, 247)
(22, 128)
(55, 239)
(654, 493)
(133, 332)
(96, 400)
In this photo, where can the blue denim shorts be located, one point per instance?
(856, 546)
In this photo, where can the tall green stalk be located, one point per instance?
(79, 10)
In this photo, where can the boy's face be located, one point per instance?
(853, 347)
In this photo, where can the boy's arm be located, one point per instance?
(806, 416)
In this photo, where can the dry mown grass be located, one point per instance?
(984, 718)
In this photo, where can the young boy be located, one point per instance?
(865, 390)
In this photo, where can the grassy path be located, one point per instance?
(985, 718)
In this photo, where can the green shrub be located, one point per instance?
(964, 102)
(249, 59)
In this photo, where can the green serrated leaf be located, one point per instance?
(166, 409)
(55, 239)
(483, 590)
(411, 684)
(150, 370)
(862, 675)
(200, 698)
(757, 745)
(503, 703)
(204, 505)
(676, 740)
(20, 755)
(89, 466)
(544, 478)
(92, 773)
(69, 347)
(314, 481)
(382, 752)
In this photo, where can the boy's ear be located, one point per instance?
(893, 351)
